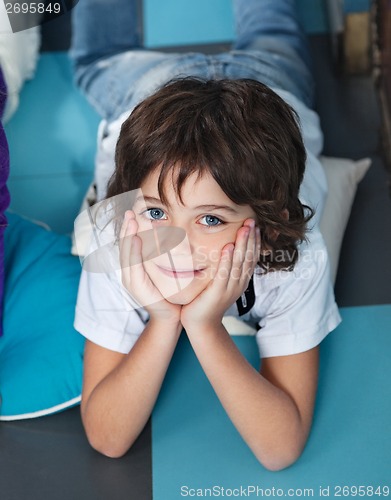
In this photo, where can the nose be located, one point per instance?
(176, 252)
(183, 248)
(161, 240)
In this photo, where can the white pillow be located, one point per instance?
(343, 175)
(19, 53)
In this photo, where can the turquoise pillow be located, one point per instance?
(41, 354)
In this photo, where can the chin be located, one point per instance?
(189, 289)
(180, 298)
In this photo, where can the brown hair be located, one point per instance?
(239, 131)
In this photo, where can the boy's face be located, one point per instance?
(189, 267)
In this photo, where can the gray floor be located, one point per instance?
(49, 458)
(350, 117)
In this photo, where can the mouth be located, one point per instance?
(180, 273)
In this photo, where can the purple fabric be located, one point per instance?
(4, 194)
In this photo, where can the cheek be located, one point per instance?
(208, 251)
(159, 239)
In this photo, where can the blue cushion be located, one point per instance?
(41, 354)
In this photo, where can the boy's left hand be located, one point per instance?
(235, 268)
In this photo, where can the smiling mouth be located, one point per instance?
(180, 273)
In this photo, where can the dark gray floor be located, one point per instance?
(49, 458)
(350, 117)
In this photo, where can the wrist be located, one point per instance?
(168, 317)
(201, 328)
(192, 321)
(172, 324)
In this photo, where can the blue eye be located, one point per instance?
(155, 213)
(212, 220)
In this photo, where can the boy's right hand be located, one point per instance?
(136, 280)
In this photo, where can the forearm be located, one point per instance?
(265, 416)
(119, 406)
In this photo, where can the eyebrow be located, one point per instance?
(227, 208)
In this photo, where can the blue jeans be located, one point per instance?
(116, 73)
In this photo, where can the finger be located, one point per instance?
(125, 230)
(130, 226)
(132, 223)
(135, 254)
(252, 255)
(249, 257)
(129, 247)
(245, 267)
(251, 245)
(239, 255)
(254, 240)
(223, 271)
(125, 243)
(257, 243)
(253, 251)
(123, 227)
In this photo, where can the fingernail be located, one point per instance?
(252, 223)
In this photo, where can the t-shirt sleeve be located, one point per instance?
(106, 314)
(301, 308)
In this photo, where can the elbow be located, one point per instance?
(279, 463)
(105, 442)
(107, 451)
(106, 447)
(277, 460)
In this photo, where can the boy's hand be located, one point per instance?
(136, 280)
(236, 266)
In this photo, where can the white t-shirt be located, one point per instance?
(293, 310)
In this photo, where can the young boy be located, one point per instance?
(220, 157)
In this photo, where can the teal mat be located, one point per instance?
(52, 140)
(196, 446)
(173, 22)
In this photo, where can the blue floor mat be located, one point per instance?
(52, 141)
(195, 445)
(184, 23)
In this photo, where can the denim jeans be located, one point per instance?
(116, 73)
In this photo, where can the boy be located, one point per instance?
(220, 157)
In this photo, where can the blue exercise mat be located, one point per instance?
(52, 141)
(173, 22)
(195, 445)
